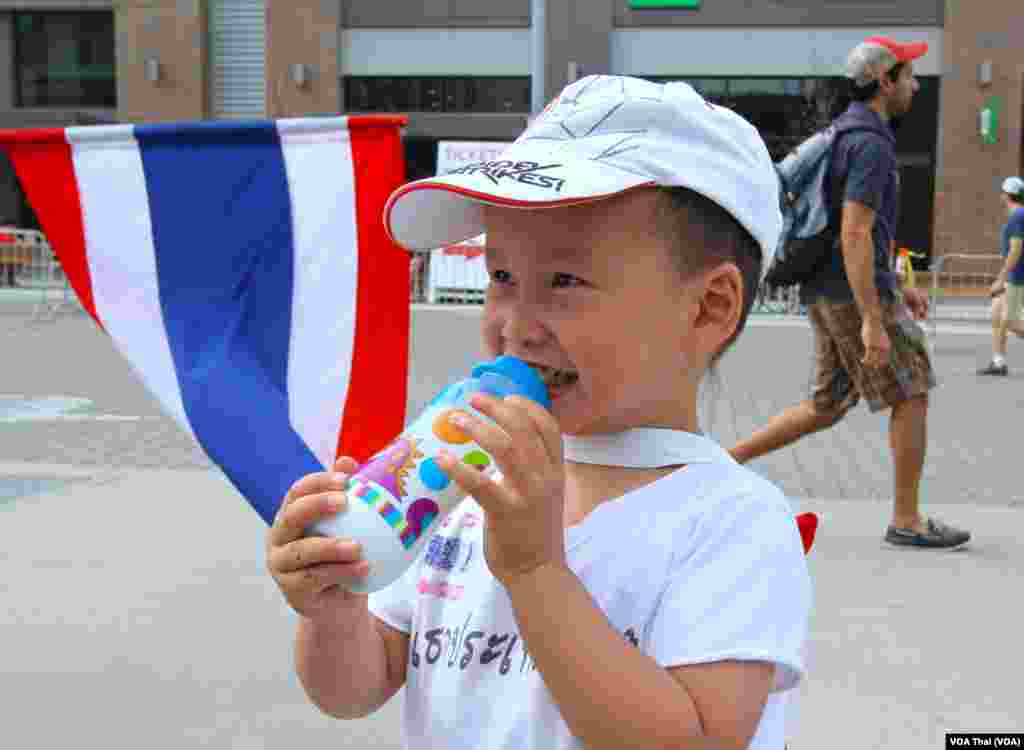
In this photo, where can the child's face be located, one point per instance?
(594, 291)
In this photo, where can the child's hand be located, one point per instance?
(525, 512)
(310, 571)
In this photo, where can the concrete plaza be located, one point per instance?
(137, 611)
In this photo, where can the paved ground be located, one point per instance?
(136, 611)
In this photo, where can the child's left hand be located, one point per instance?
(525, 512)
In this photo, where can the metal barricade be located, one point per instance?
(959, 288)
(31, 270)
(456, 276)
(777, 300)
(418, 278)
(15, 256)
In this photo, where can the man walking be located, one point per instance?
(1006, 308)
(864, 347)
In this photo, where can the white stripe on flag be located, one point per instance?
(318, 160)
(122, 261)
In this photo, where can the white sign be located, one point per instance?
(454, 154)
(459, 271)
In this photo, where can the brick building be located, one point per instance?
(475, 69)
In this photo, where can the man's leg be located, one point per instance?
(1000, 326)
(833, 396)
(903, 385)
(908, 439)
(781, 430)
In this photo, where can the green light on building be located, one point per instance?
(664, 4)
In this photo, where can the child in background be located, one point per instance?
(623, 583)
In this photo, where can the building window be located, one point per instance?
(437, 94)
(64, 60)
(785, 111)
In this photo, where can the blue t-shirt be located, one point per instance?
(1014, 229)
(863, 170)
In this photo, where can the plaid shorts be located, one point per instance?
(840, 377)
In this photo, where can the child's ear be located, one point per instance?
(719, 307)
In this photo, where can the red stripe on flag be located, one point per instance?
(42, 160)
(375, 406)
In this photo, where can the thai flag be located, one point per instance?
(244, 272)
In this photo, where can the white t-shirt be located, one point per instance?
(703, 565)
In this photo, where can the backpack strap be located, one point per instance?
(835, 212)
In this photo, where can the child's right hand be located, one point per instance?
(311, 571)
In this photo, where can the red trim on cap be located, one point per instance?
(903, 52)
(495, 200)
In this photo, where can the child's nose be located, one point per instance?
(522, 328)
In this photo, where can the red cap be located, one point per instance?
(902, 52)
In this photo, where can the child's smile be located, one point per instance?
(558, 380)
(580, 294)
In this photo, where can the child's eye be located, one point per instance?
(501, 277)
(563, 280)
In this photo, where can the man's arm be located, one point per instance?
(1012, 259)
(859, 258)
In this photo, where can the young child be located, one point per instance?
(624, 583)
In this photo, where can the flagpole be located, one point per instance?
(538, 24)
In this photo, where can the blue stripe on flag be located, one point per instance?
(222, 229)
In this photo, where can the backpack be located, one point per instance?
(808, 236)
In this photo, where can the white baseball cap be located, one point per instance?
(1014, 186)
(602, 136)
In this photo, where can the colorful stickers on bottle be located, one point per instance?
(384, 482)
(409, 526)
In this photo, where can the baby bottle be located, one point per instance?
(397, 497)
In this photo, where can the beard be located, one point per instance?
(898, 111)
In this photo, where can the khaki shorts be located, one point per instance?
(841, 379)
(1014, 301)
